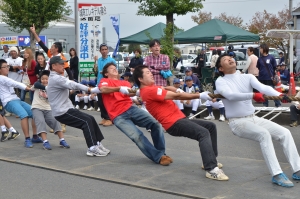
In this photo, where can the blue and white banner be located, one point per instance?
(115, 19)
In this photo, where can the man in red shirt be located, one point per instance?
(160, 105)
(125, 116)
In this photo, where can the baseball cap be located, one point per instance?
(282, 64)
(92, 83)
(230, 54)
(176, 81)
(187, 78)
(127, 74)
(188, 69)
(57, 59)
(84, 82)
(13, 48)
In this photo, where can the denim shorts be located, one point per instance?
(19, 108)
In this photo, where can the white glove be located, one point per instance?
(124, 90)
(179, 90)
(138, 93)
(205, 96)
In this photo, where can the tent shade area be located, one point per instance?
(156, 32)
(215, 31)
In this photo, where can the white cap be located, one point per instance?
(14, 49)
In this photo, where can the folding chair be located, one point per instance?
(207, 79)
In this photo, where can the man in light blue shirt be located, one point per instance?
(102, 61)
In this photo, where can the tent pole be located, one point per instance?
(291, 52)
(226, 46)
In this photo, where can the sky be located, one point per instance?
(130, 23)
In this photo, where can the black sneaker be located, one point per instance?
(5, 135)
(14, 135)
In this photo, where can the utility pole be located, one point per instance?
(291, 7)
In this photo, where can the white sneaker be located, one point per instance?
(191, 116)
(77, 106)
(85, 107)
(7, 114)
(210, 117)
(98, 110)
(217, 174)
(91, 109)
(102, 148)
(222, 118)
(96, 152)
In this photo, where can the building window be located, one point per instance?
(50, 42)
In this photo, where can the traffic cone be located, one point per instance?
(292, 86)
(278, 85)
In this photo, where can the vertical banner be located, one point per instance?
(90, 36)
(115, 19)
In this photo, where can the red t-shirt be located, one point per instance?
(115, 103)
(164, 111)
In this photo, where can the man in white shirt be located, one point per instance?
(251, 63)
(5, 54)
(15, 65)
(237, 91)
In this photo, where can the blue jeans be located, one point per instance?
(23, 93)
(19, 108)
(127, 122)
(277, 102)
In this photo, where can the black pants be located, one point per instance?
(85, 122)
(103, 110)
(294, 113)
(205, 133)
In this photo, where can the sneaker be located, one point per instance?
(296, 176)
(294, 124)
(51, 131)
(210, 117)
(98, 110)
(91, 109)
(95, 152)
(37, 140)
(5, 135)
(282, 180)
(28, 143)
(7, 114)
(77, 106)
(149, 130)
(14, 135)
(64, 144)
(220, 165)
(47, 146)
(191, 116)
(85, 107)
(222, 118)
(101, 147)
(217, 174)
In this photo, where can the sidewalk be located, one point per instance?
(242, 160)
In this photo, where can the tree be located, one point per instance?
(263, 21)
(133, 47)
(204, 16)
(168, 8)
(20, 15)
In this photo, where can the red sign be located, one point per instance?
(80, 5)
(218, 38)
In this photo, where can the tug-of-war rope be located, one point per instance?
(284, 97)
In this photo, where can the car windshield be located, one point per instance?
(274, 52)
(240, 56)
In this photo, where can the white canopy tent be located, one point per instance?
(286, 34)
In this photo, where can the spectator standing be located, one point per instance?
(295, 111)
(251, 64)
(5, 54)
(74, 63)
(266, 65)
(200, 62)
(136, 60)
(157, 62)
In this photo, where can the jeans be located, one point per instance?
(19, 108)
(127, 122)
(23, 94)
(205, 133)
(263, 131)
(294, 113)
(270, 83)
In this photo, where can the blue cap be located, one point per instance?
(127, 74)
(176, 81)
(84, 82)
(230, 54)
(188, 69)
(92, 83)
(188, 78)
